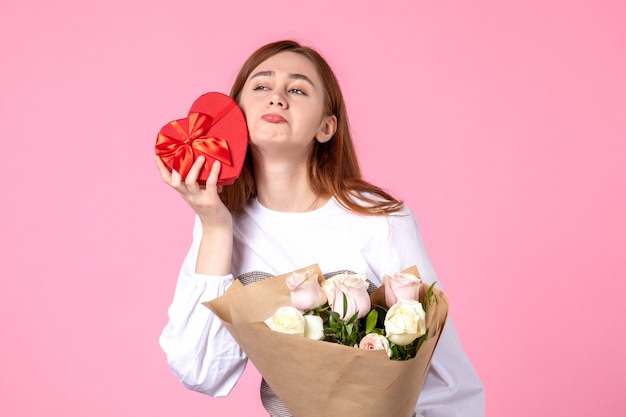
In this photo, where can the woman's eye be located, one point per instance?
(297, 91)
(261, 88)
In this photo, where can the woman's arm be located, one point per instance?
(452, 387)
(216, 244)
(199, 349)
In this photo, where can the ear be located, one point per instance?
(327, 129)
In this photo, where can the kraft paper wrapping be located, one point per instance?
(317, 378)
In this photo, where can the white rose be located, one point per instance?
(313, 327)
(287, 320)
(405, 322)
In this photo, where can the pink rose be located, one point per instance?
(374, 341)
(401, 286)
(354, 287)
(306, 293)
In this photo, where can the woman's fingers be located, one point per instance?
(205, 201)
(172, 178)
(189, 187)
(165, 173)
(192, 177)
(176, 180)
(214, 174)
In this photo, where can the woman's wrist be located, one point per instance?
(215, 251)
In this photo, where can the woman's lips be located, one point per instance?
(273, 118)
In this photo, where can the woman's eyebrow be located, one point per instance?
(263, 74)
(295, 76)
(302, 77)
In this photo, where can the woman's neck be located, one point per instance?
(284, 186)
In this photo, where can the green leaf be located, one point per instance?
(353, 318)
(345, 305)
(430, 297)
(394, 351)
(421, 340)
(333, 319)
(372, 319)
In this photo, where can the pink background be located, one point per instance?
(500, 124)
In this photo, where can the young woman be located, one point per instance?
(300, 200)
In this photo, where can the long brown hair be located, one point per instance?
(333, 165)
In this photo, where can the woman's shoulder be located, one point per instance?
(380, 225)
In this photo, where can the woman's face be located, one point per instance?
(283, 101)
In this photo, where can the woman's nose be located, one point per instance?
(278, 100)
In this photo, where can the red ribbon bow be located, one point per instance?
(185, 149)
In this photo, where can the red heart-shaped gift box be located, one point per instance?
(215, 128)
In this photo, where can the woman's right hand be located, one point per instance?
(205, 201)
(217, 222)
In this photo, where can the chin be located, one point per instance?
(266, 135)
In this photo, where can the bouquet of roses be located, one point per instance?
(329, 376)
(340, 310)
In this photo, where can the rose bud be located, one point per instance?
(313, 327)
(401, 286)
(306, 293)
(375, 341)
(354, 287)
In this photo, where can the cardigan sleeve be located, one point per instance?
(452, 387)
(199, 349)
